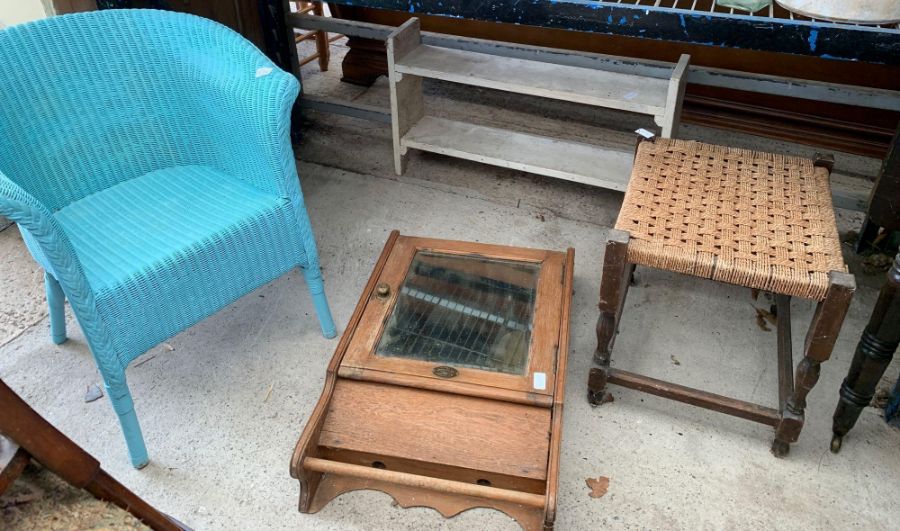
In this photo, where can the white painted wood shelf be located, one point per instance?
(573, 161)
(410, 61)
(645, 95)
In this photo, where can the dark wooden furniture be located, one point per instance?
(32, 437)
(883, 212)
(259, 21)
(446, 389)
(62, 7)
(770, 43)
(873, 354)
(892, 410)
(752, 219)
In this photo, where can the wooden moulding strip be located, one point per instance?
(423, 482)
(434, 384)
(695, 397)
(559, 390)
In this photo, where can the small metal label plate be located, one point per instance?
(443, 371)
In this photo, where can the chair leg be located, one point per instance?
(613, 288)
(316, 287)
(56, 300)
(823, 332)
(323, 47)
(120, 396)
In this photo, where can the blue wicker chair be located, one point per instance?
(145, 156)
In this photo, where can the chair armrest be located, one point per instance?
(243, 108)
(51, 247)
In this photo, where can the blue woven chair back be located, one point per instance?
(93, 99)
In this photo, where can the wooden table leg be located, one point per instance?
(60, 455)
(366, 59)
(873, 354)
(823, 332)
(13, 460)
(613, 289)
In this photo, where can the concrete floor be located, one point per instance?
(220, 442)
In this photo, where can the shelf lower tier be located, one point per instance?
(562, 159)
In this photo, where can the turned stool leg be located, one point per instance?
(613, 288)
(873, 355)
(823, 332)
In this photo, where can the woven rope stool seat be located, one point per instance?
(758, 220)
(754, 219)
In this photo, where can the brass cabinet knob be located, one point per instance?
(382, 290)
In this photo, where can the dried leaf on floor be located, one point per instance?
(93, 393)
(31, 493)
(876, 263)
(763, 318)
(881, 398)
(769, 316)
(598, 486)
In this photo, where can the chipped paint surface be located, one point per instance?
(813, 36)
(824, 40)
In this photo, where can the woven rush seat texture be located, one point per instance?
(749, 218)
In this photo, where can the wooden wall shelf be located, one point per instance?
(410, 61)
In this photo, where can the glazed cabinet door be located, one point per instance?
(475, 318)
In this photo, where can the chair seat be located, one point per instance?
(166, 249)
(754, 219)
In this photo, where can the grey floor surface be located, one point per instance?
(223, 403)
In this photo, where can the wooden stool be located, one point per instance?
(747, 218)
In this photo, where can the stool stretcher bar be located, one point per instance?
(694, 397)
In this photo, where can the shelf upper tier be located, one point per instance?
(645, 95)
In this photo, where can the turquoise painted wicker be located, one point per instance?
(146, 157)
